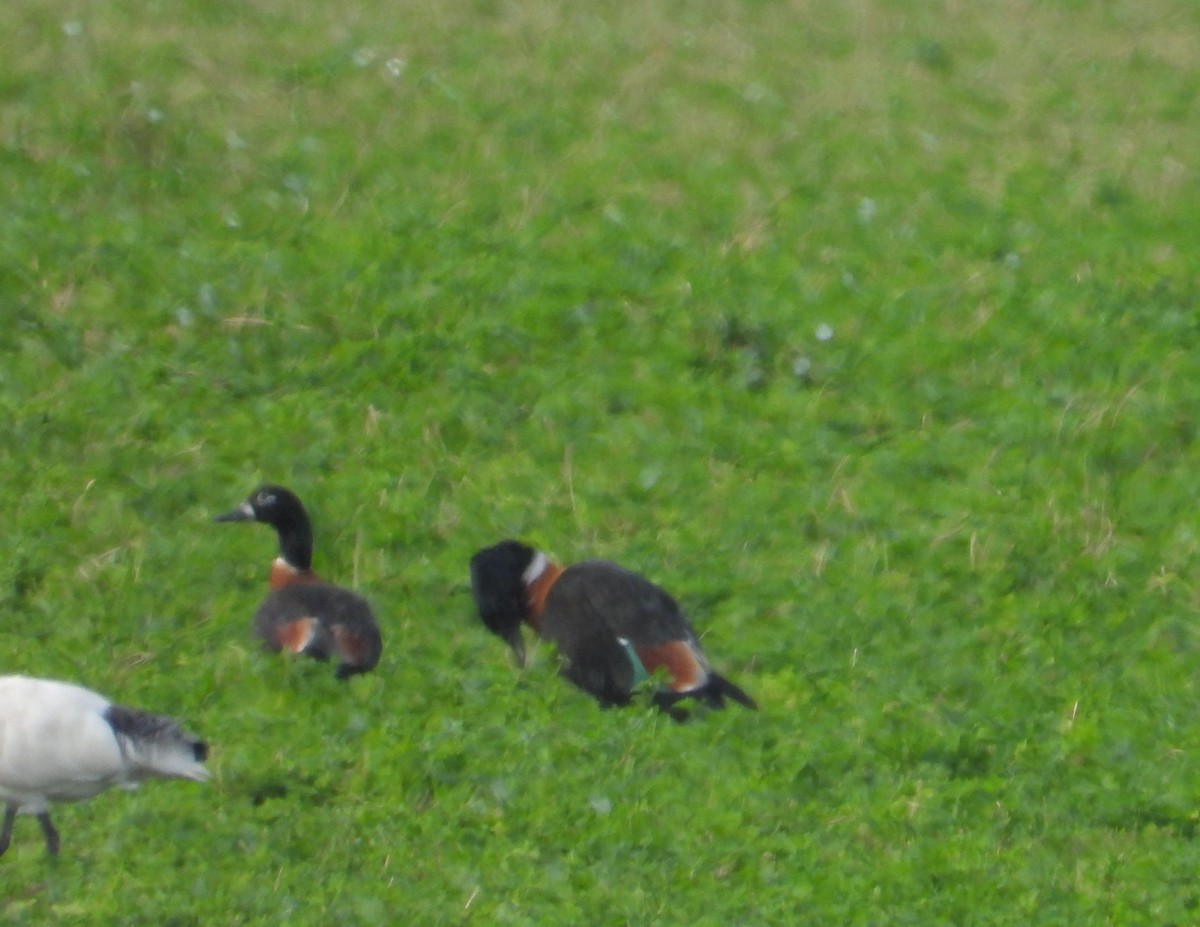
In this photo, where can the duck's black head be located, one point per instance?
(501, 594)
(282, 509)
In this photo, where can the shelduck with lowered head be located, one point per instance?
(60, 742)
(301, 613)
(613, 628)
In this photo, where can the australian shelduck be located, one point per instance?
(613, 628)
(302, 614)
(60, 742)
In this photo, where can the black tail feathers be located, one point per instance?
(713, 695)
(719, 688)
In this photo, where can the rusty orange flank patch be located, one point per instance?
(295, 635)
(351, 647)
(678, 660)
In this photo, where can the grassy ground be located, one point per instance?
(868, 329)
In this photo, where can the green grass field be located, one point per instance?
(870, 330)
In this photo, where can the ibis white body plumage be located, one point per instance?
(60, 742)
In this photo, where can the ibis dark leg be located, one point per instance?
(50, 832)
(10, 815)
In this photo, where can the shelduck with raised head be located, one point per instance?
(613, 628)
(302, 614)
(60, 742)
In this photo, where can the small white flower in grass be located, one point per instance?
(756, 93)
(396, 66)
(207, 297)
(600, 804)
(154, 116)
(1012, 260)
(363, 57)
(824, 332)
(72, 28)
(183, 317)
(801, 366)
(867, 209)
